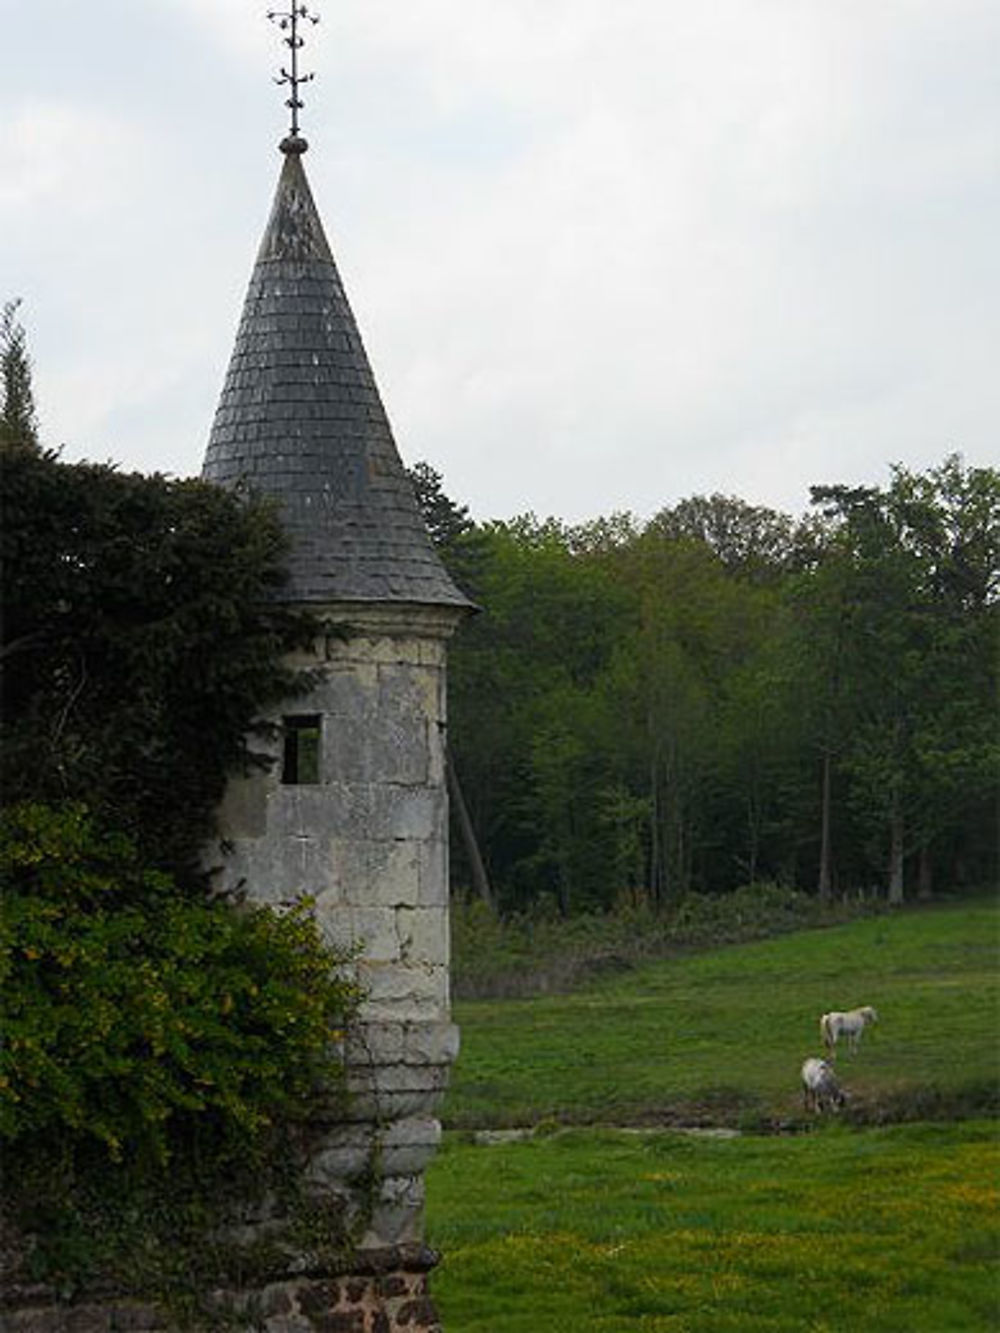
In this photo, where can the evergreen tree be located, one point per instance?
(18, 424)
(455, 535)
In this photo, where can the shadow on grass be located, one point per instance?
(970, 1101)
(732, 1108)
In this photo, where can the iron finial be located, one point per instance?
(288, 21)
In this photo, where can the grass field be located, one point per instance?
(838, 1228)
(719, 1037)
(846, 1231)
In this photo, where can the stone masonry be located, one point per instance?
(368, 844)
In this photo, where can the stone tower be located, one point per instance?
(353, 811)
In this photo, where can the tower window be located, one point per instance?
(302, 747)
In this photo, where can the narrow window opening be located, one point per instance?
(302, 749)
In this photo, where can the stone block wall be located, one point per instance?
(368, 843)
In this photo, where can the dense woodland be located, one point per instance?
(725, 695)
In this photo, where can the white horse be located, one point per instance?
(820, 1089)
(850, 1025)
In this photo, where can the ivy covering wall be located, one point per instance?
(163, 1046)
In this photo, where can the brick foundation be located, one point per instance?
(387, 1292)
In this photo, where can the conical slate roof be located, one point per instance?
(300, 419)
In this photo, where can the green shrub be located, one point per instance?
(540, 952)
(127, 1005)
(141, 642)
(146, 1033)
(749, 912)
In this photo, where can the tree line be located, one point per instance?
(720, 695)
(726, 694)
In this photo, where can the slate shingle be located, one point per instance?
(300, 419)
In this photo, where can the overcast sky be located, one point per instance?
(604, 254)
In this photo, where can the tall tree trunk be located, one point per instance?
(655, 852)
(896, 857)
(753, 838)
(825, 885)
(563, 883)
(925, 875)
(480, 881)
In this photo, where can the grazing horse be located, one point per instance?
(850, 1025)
(820, 1089)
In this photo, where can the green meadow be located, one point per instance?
(719, 1037)
(608, 1217)
(878, 1230)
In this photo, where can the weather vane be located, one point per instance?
(288, 22)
